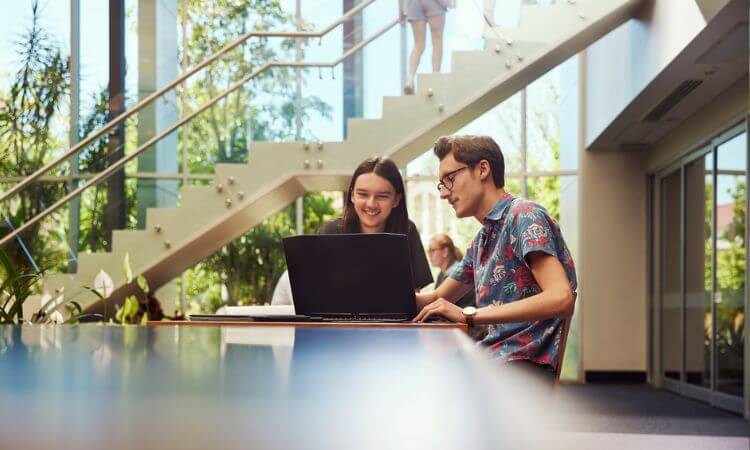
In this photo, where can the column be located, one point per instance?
(157, 65)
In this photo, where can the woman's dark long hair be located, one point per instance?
(398, 220)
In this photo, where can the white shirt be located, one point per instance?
(282, 294)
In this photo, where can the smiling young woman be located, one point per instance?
(375, 203)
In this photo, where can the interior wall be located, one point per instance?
(622, 63)
(613, 263)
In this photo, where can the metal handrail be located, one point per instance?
(121, 162)
(146, 101)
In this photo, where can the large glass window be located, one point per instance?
(698, 269)
(731, 258)
(94, 55)
(543, 122)
(34, 107)
(703, 257)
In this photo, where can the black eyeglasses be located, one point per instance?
(447, 180)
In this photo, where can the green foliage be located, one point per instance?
(136, 308)
(93, 235)
(730, 273)
(546, 192)
(15, 290)
(37, 93)
(203, 289)
(17, 287)
(262, 110)
(142, 283)
(544, 124)
(731, 262)
(708, 196)
(730, 284)
(251, 265)
(128, 312)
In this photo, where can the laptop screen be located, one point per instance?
(350, 274)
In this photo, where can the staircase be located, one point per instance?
(242, 195)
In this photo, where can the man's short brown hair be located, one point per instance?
(470, 150)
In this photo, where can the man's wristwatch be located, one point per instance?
(469, 313)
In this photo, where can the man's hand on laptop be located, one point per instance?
(441, 308)
(424, 299)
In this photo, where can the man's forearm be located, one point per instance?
(424, 299)
(451, 290)
(545, 305)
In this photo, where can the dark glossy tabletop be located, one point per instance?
(94, 386)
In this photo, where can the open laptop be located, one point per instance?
(345, 278)
(351, 277)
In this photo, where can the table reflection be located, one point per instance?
(264, 387)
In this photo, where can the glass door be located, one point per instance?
(702, 272)
(698, 279)
(731, 258)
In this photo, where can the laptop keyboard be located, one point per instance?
(365, 318)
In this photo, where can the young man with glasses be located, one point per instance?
(518, 264)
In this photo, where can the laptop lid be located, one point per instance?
(350, 274)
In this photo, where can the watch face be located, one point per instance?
(470, 310)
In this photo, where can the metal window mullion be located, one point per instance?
(658, 265)
(747, 275)
(662, 270)
(402, 45)
(299, 204)
(185, 136)
(74, 213)
(524, 188)
(650, 190)
(298, 72)
(185, 62)
(715, 179)
(683, 253)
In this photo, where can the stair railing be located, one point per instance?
(114, 166)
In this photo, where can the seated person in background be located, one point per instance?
(282, 293)
(375, 203)
(444, 255)
(518, 263)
